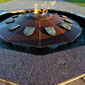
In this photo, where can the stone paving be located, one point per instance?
(60, 5)
(27, 69)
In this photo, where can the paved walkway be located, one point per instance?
(28, 69)
(60, 5)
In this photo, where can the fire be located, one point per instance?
(43, 10)
(36, 10)
(52, 3)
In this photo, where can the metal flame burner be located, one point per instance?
(39, 16)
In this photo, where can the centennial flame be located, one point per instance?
(52, 3)
(36, 10)
(43, 10)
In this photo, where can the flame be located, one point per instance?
(43, 10)
(36, 10)
(52, 3)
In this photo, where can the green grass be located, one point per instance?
(3, 1)
(78, 2)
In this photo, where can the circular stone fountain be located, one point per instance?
(39, 30)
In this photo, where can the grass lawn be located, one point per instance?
(3, 1)
(79, 2)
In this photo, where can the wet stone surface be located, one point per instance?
(17, 38)
(80, 41)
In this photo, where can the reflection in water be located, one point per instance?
(80, 41)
